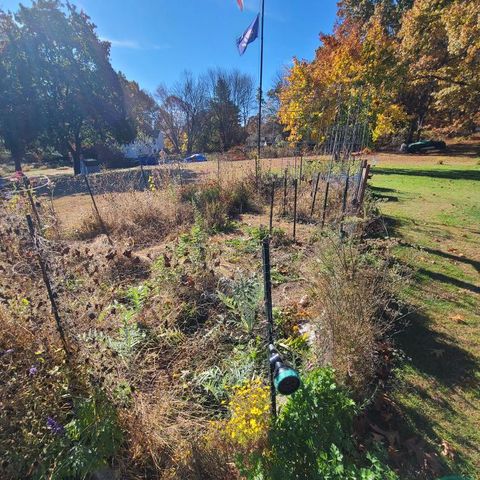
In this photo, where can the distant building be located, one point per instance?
(144, 147)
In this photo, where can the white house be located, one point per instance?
(144, 147)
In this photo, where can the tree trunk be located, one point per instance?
(76, 154)
(76, 162)
(411, 131)
(17, 158)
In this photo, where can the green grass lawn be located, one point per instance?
(435, 211)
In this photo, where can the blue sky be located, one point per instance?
(153, 41)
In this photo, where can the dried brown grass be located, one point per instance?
(305, 201)
(354, 290)
(142, 218)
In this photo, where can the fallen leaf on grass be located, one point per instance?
(458, 318)
(447, 449)
(456, 252)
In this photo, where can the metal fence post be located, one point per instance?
(269, 314)
(145, 181)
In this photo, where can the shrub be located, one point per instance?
(86, 443)
(218, 203)
(312, 438)
(242, 198)
(352, 291)
(249, 408)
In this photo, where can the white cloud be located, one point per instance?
(135, 45)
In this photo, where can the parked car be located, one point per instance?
(198, 157)
(424, 146)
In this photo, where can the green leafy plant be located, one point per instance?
(130, 335)
(136, 296)
(243, 300)
(86, 443)
(193, 245)
(312, 438)
(243, 364)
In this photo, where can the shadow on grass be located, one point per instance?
(436, 354)
(380, 193)
(440, 277)
(392, 225)
(467, 150)
(427, 428)
(444, 174)
(381, 190)
(456, 258)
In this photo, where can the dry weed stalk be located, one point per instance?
(141, 217)
(353, 291)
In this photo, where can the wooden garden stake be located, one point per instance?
(102, 224)
(285, 185)
(363, 164)
(48, 284)
(272, 201)
(366, 172)
(295, 186)
(325, 203)
(314, 194)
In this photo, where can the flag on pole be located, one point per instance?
(249, 36)
(240, 4)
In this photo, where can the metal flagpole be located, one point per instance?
(260, 95)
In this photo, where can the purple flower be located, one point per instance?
(33, 371)
(55, 427)
(6, 352)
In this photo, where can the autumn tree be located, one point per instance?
(440, 40)
(414, 62)
(390, 12)
(170, 118)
